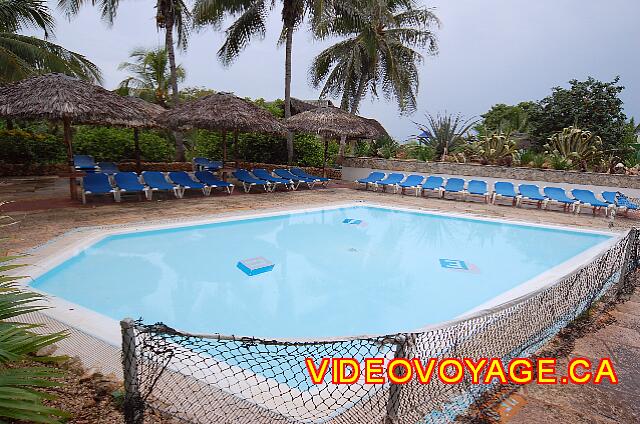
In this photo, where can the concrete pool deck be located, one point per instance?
(44, 213)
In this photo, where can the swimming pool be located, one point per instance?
(352, 270)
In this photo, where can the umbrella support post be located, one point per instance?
(324, 158)
(67, 140)
(224, 147)
(136, 143)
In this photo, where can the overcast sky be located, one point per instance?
(491, 51)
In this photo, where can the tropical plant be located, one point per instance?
(574, 147)
(22, 56)
(380, 52)
(444, 132)
(506, 118)
(19, 398)
(251, 21)
(497, 148)
(415, 150)
(591, 104)
(388, 147)
(538, 160)
(151, 77)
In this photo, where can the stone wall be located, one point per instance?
(354, 167)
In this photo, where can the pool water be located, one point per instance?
(337, 272)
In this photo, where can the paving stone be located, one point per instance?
(626, 320)
(544, 413)
(617, 334)
(630, 307)
(591, 347)
(601, 402)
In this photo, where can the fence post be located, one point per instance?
(393, 403)
(133, 404)
(632, 239)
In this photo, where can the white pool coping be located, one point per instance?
(53, 253)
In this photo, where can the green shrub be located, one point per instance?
(116, 144)
(19, 146)
(261, 148)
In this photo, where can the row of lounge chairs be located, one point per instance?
(178, 182)
(148, 182)
(502, 190)
(288, 178)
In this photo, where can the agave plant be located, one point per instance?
(574, 147)
(497, 148)
(444, 132)
(19, 398)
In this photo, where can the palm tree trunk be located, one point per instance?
(168, 45)
(287, 89)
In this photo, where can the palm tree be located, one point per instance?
(151, 79)
(444, 132)
(251, 17)
(22, 56)
(380, 52)
(170, 15)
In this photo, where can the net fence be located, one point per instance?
(226, 379)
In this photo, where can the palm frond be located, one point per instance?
(251, 23)
(108, 8)
(16, 15)
(22, 56)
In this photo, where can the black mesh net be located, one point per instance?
(227, 379)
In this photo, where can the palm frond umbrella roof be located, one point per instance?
(331, 122)
(59, 97)
(222, 112)
(151, 111)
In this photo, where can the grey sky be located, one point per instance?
(491, 51)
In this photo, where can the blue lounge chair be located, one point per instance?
(158, 182)
(185, 182)
(412, 181)
(620, 201)
(433, 184)
(587, 198)
(506, 190)
(84, 163)
(249, 181)
(297, 180)
(97, 183)
(531, 193)
(453, 185)
(206, 177)
(373, 178)
(108, 168)
(300, 173)
(392, 179)
(478, 188)
(557, 195)
(128, 182)
(204, 164)
(263, 174)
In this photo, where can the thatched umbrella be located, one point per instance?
(151, 112)
(331, 123)
(223, 112)
(61, 98)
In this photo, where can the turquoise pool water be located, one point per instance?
(350, 271)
